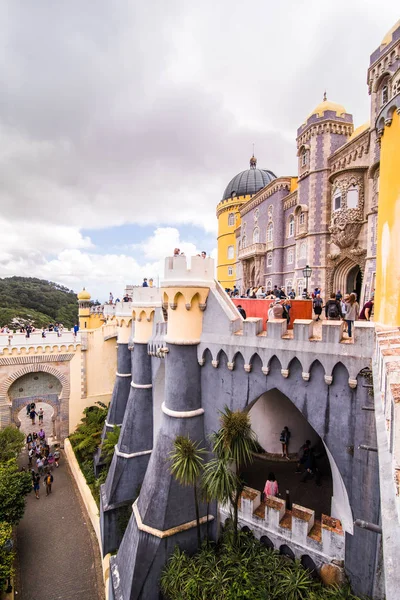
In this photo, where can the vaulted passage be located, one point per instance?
(269, 415)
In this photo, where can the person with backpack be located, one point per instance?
(284, 440)
(317, 306)
(48, 481)
(333, 310)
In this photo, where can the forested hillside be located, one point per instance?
(40, 302)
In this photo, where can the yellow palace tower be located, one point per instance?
(239, 190)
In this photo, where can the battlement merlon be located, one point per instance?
(178, 274)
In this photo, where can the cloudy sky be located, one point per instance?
(122, 122)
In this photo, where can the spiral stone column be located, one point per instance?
(135, 444)
(164, 513)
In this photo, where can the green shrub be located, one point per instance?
(245, 569)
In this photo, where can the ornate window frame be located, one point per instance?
(269, 260)
(231, 219)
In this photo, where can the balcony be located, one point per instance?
(253, 250)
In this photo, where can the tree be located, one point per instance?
(14, 486)
(186, 467)
(87, 435)
(235, 443)
(11, 443)
(109, 443)
(6, 554)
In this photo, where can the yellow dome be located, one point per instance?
(84, 295)
(389, 36)
(327, 105)
(359, 130)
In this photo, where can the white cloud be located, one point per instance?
(115, 113)
(99, 273)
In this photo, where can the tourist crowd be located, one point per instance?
(41, 457)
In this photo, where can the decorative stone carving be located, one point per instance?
(305, 376)
(230, 365)
(265, 370)
(215, 363)
(353, 383)
(285, 373)
(202, 361)
(328, 379)
(247, 368)
(346, 223)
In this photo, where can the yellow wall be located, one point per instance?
(76, 403)
(101, 366)
(387, 305)
(227, 237)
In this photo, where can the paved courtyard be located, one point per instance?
(58, 554)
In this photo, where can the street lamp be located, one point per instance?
(307, 274)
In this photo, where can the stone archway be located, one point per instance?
(59, 402)
(345, 274)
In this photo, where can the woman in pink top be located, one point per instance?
(271, 486)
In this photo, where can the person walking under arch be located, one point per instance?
(271, 486)
(284, 439)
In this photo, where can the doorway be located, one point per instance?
(354, 281)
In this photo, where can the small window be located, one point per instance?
(269, 259)
(231, 219)
(230, 271)
(290, 256)
(303, 250)
(300, 287)
(337, 199)
(288, 285)
(291, 226)
(270, 232)
(384, 95)
(302, 218)
(352, 197)
(256, 235)
(268, 285)
(244, 241)
(304, 158)
(231, 252)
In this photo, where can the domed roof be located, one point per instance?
(327, 105)
(359, 130)
(389, 36)
(84, 295)
(248, 182)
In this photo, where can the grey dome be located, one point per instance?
(248, 182)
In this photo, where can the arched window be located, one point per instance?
(291, 226)
(269, 259)
(290, 256)
(244, 241)
(352, 196)
(302, 218)
(337, 199)
(231, 252)
(300, 287)
(304, 157)
(270, 232)
(231, 219)
(289, 285)
(396, 86)
(303, 250)
(268, 285)
(256, 235)
(384, 94)
(230, 271)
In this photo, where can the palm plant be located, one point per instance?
(235, 443)
(109, 444)
(186, 467)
